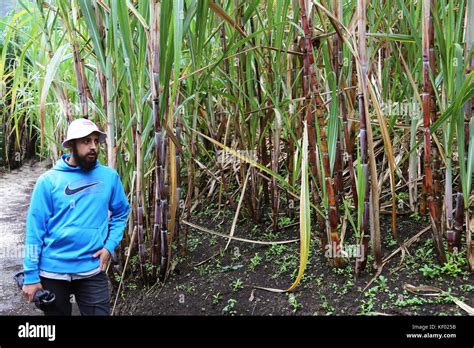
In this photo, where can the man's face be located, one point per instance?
(85, 151)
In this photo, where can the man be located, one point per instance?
(69, 234)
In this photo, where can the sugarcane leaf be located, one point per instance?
(221, 13)
(305, 213)
(465, 93)
(89, 17)
(51, 71)
(393, 37)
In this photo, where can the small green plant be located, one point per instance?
(284, 221)
(382, 283)
(134, 260)
(391, 242)
(237, 284)
(149, 267)
(402, 196)
(255, 228)
(345, 288)
(186, 287)
(193, 243)
(402, 302)
(229, 309)
(326, 306)
(216, 298)
(430, 271)
(277, 249)
(416, 216)
(203, 270)
(425, 253)
(367, 306)
(270, 236)
(132, 286)
(255, 261)
(454, 266)
(295, 305)
(467, 287)
(213, 241)
(285, 264)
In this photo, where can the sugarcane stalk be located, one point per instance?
(221, 136)
(164, 250)
(275, 157)
(314, 95)
(242, 75)
(172, 176)
(430, 154)
(262, 149)
(413, 168)
(295, 117)
(177, 225)
(364, 238)
(337, 67)
(422, 205)
(153, 56)
(139, 207)
(454, 235)
(81, 80)
(448, 204)
(466, 207)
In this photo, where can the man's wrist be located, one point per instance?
(31, 277)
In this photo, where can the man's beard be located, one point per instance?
(83, 161)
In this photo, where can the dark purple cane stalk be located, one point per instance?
(313, 95)
(430, 154)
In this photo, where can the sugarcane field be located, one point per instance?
(237, 157)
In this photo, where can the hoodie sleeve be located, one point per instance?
(119, 209)
(39, 214)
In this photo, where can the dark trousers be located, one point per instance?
(91, 294)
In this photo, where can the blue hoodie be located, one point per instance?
(68, 219)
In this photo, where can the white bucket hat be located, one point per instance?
(81, 128)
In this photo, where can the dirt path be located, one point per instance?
(15, 191)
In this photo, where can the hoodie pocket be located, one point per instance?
(74, 242)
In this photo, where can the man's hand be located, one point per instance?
(104, 258)
(29, 290)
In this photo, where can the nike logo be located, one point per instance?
(71, 191)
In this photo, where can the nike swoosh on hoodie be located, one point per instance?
(70, 191)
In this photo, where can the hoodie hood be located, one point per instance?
(63, 166)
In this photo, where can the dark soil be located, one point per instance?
(225, 284)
